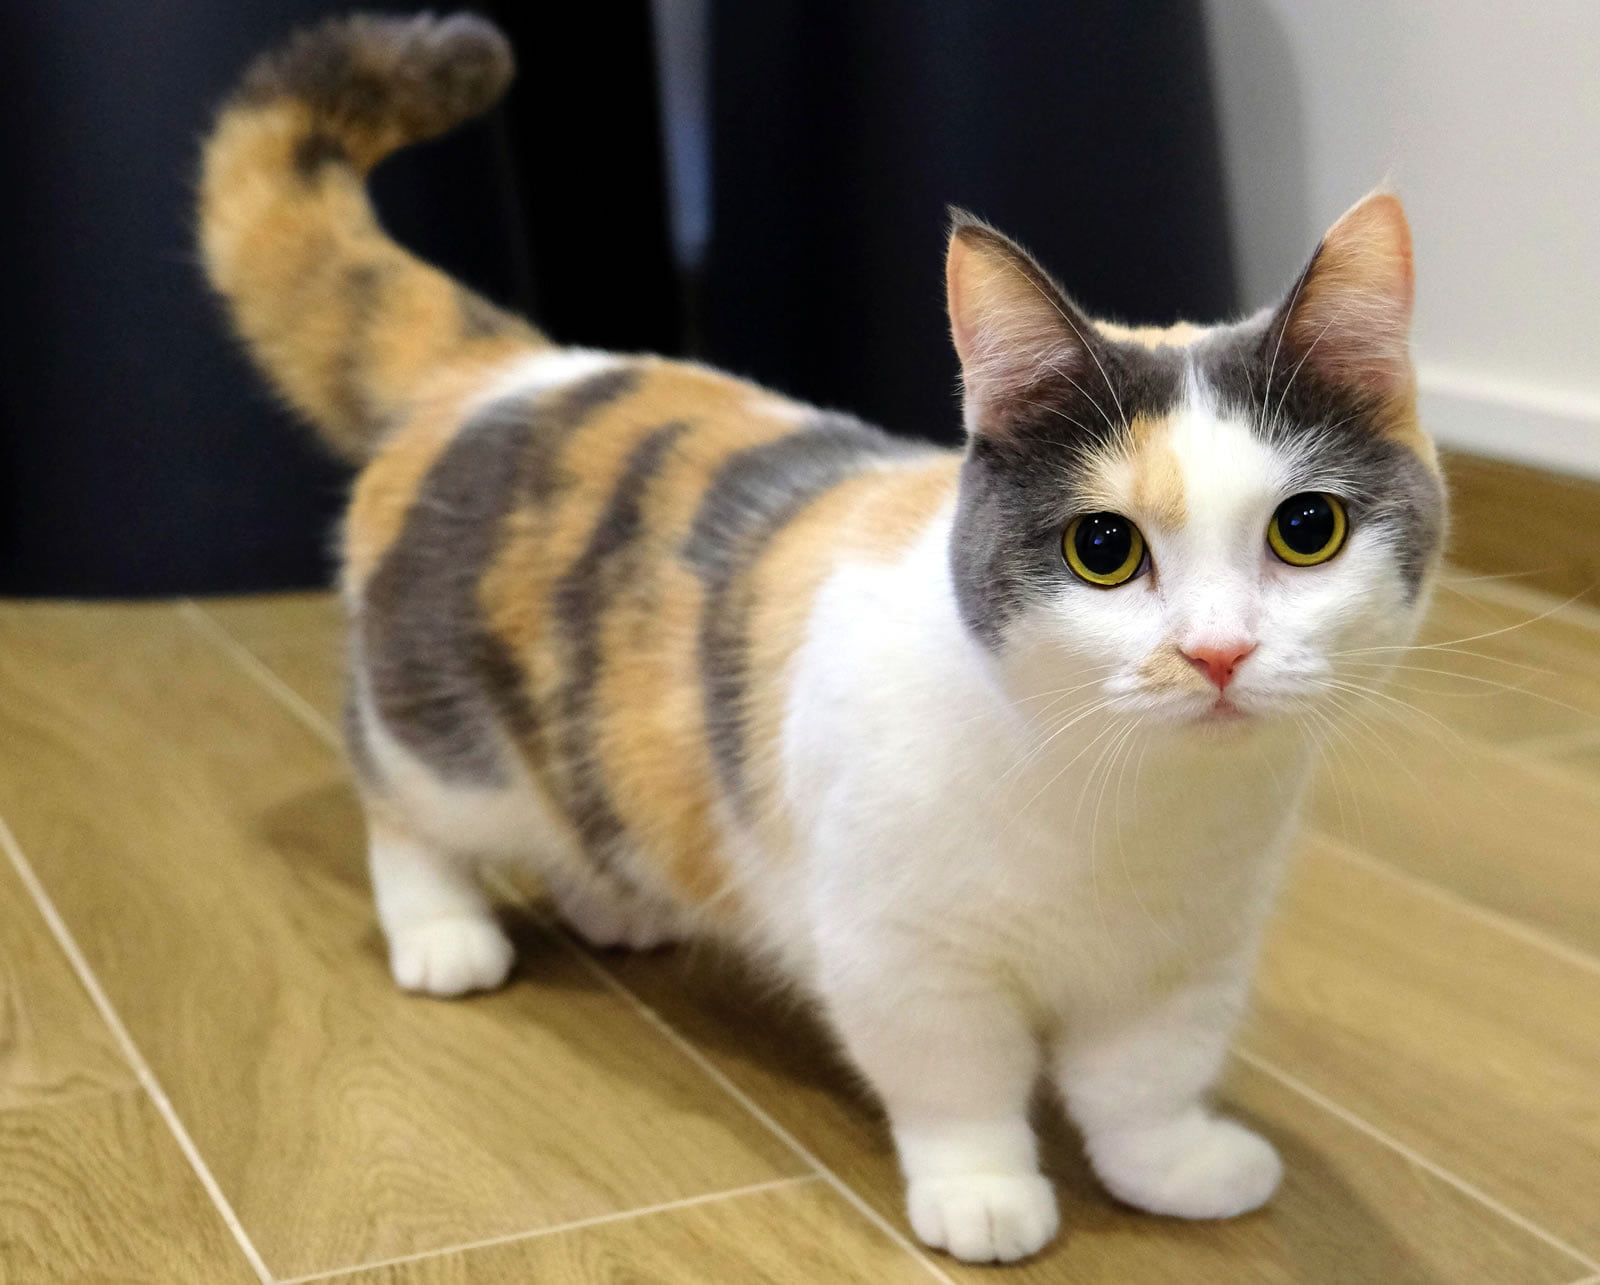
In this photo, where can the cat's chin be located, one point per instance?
(1223, 717)
(1220, 718)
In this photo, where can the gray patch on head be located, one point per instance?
(1016, 484)
(1329, 430)
(1020, 477)
(608, 566)
(754, 495)
(441, 680)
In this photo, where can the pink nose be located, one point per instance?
(1219, 663)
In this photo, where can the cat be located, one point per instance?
(996, 754)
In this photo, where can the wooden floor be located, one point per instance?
(205, 1074)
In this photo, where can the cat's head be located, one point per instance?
(1201, 524)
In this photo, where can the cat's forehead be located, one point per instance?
(1177, 453)
(1196, 468)
(1200, 422)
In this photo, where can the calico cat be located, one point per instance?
(996, 754)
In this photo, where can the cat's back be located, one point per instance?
(593, 569)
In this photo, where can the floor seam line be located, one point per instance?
(224, 638)
(556, 1229)
(130, 1050)
(1512, 927)
(1410, 1153)
(759, 1113)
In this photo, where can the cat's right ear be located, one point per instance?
(1017, 334)
(1349, 316)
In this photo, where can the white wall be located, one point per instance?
(1485, 115)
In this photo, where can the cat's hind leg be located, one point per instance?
(441, 929)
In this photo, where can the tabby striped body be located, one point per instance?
(583, 587)
(714, 662)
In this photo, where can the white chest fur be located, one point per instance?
(1083, 854)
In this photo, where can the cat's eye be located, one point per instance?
(1308, 528)
(1104, 549)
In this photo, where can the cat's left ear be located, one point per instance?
(1349, 316)
(1017, 334)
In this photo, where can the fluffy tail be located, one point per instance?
(345, 323)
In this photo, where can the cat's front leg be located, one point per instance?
(954, 1064)
(1137, 1084)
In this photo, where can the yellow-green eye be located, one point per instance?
(1103, 548)
(1308, 528)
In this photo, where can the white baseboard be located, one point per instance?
(1523, 423)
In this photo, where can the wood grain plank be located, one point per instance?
(96, 1190)
(798, 1235)
(53, 1044)
(1351, 1209)
(1582, 760)
(298, 636)
(1469, 1045)
(1510, 519)
(1502, 830)
(1498, 668)
(207, 854)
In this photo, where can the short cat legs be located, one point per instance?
(1136, 1087)
(954, 1065)
(443, 936)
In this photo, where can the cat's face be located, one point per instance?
(1207, 527)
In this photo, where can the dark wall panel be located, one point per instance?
(139, 453)
(842, 130)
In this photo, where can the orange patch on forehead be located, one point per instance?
(1146, 475)
(1178, 335)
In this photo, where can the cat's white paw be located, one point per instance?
(1197, 1166)
(984, 1217)
(615, 920)
(451, 956)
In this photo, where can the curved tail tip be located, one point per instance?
(421, 73)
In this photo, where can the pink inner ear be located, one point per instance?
(1011, 325)
(957, 291)
(1352, 316)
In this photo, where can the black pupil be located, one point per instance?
(1306, 522)
(1103, 541)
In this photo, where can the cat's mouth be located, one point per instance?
(1223, 711)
